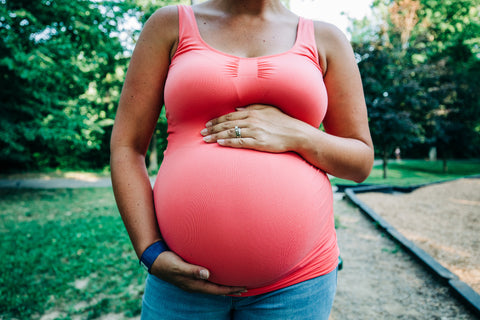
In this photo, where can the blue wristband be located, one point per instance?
(151, 253)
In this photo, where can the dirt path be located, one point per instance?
(443, 219)
(380, 281)
(70, 181)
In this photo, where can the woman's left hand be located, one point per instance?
(259, 127)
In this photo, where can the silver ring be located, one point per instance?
(238, 132)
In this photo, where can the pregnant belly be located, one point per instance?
(247, 216)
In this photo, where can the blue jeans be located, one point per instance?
(308, 300)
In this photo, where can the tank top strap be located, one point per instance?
(187, 29)
(306, 43)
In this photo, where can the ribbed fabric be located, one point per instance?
(254, 219)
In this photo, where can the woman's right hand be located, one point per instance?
(171, 268)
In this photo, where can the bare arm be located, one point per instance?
(345, 150)
(140, 104)
(137, 115)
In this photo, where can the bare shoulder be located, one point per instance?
(165, 15)
(328, 31)
(331, 43)
(162, 27)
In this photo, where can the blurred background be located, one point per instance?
(64, 251)
(62, 64)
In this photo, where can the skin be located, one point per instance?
(344, 149)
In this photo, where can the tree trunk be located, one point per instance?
(445, 165)
(385, 162)
(432, 154)
(153, 159)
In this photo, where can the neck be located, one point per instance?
(253, 7)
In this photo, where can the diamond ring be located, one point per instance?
(238, 132)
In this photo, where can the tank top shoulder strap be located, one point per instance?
(186, 21)
(306, 39)
(187, 29)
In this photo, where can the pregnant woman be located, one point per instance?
(239, 224)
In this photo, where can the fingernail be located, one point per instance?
(207, 138)
(208, 124)
(239, 293)
(204, 274)
(221, 142)
(204, 131)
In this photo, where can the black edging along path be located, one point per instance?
(466, 294)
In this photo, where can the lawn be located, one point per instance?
(65, 253)
(415, 172)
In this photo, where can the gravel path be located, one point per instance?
(380, 281)
(442, 219)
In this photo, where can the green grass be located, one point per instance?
(65, 252)
(414, 172)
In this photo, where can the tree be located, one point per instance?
(59, 67)
(386, 87)
(449, 37)
(418, 63)
(403, 15)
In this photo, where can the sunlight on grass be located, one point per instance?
(414, 172)
(64, 248)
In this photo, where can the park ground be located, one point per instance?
(382, 281)
(379, 280)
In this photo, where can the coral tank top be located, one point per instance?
(255, 219)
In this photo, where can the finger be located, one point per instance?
(211, 288)
(256, 107)
(168, 265)
(227, 134)
(237, 115)
(194, 278)
(181, 268)
(245, 143)
(172, 268)
(221, 127)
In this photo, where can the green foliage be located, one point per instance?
(148, 7)
(420, 63)
(62, 65)
(65, 251)
(52, 53)
(450, 38)
(392, 97)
